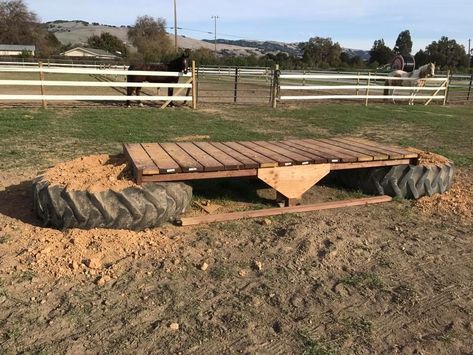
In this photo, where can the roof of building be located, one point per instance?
(17, 47)
(93, 51)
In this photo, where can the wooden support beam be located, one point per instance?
(191, 221)
(166, 104)
(293, 181)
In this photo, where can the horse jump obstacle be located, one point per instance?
(291, 167)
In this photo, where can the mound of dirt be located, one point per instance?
(429, 158)
(458, 200)
(93, 173)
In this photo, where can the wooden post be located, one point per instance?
(235, 88)
(446, 89)
(469, 88)
(41, 78)
(274, 96)
(357, 83)
(368, 88)
(194, 87)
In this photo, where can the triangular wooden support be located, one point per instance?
(293, 181)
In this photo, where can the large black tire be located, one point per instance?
(404, 181)
(134, 208)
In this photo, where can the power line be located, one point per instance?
(207, 32)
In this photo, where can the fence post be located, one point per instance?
(357, 82)
(368, 88)
(446, 88)
(469, 88)
(194, 87)
(274, 92)
(235, 88)
(41, 78)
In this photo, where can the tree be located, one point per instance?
(403, 43)
(380, 53)
(109, 43)
(321, 52)
(421, 58)
(447, 53)
(17, 23)
(149, 36)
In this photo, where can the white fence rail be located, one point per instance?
(362, 87)
(98, 73)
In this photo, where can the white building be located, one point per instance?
(16, 49)
(89, 52)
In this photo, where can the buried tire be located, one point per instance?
(404, 181)
(135, 208)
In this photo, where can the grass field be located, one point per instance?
(41, 137)
(391, 278)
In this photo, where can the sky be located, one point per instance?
(352, 23)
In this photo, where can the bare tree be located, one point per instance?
(149, 36)
(17, 23)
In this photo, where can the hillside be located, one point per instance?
(77, 32)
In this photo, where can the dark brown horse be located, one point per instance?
(180, 65)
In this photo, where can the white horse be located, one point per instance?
(415, 78)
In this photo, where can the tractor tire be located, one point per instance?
(403, 181)
(135, 208)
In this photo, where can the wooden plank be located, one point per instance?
(389, 153)
(376, 155)
(248, 163)
(315, 158)
(200, 175)
(296, 157)
(161, 158)
(190, 221)
(371, 164)
(338, 150)
(282, 160)
(228, 161)
(208, 162)
(262, 160)
(333, 157)
(140, 159)
(185, 161)
(405, 153)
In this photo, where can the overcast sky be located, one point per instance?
(352, 23)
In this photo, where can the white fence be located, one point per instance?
(296, 87)
(119, 74)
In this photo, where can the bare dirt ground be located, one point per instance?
(392, 278)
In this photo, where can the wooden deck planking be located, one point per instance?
(316, 159)
(405, 153)
(207, 161)
(185, 161)
(161, 158)
(374, 154)
(282, 160)
(228, 161)
(332, 156)
(384, 151)
(339, 150)
(263, 160)
(140, 159)
(296, 157)
(248, 163)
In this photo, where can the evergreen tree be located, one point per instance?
(403, 43)
(380, 53)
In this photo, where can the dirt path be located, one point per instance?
(395, 278)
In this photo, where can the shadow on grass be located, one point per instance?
(17, 202)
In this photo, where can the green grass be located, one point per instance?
(37, 137)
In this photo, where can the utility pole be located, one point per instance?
(175, 26)
(215, 33)
(469, 53)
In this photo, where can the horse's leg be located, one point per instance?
(140, 103)
(129, 92)
(170, 94)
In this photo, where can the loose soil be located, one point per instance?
(391, 278)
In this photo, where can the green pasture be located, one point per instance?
(36, 138)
